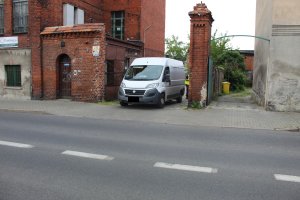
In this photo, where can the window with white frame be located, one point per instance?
(72, 15)
(20, 15)
(78, 16)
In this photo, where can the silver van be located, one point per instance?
(152, 81)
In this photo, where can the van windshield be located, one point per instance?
(143, 72)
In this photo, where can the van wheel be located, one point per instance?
(122, 103)
(161, 102)
(179, 99)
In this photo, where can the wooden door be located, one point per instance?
(65, 77)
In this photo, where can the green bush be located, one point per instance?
(196, 105)
(237, 79)
(224, 56)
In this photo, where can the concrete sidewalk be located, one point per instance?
(218, 114)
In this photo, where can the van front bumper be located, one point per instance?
(151, 96)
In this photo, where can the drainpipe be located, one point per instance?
(42, 69)
(145, 30)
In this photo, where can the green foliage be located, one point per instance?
(176, 49)
(237, 78)
(230, 60)
(240, 94)
(219, 46)
(196, 105)
(234, 69)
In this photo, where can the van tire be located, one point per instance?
(161, 102)
(179, 99)
(122, 103)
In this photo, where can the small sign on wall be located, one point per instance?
(6, 42)
(96, 51)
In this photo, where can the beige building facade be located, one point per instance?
(276, 77)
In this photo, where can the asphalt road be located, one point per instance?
(46, 157)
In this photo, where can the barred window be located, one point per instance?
(13, 75)
(1, 16)
(20, 16)
(118, 24)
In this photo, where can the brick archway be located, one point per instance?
(201, 22)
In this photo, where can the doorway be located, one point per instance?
(65, 77)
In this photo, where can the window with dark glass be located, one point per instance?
(1, 16)
(13, 75)
(20, 14)
(118, 24)
(110, 75)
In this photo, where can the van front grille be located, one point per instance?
(135, 92)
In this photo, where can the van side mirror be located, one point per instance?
(166, 78)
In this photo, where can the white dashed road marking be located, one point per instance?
(18, 145)
(288, 178)
(87, 155)
(186, 167)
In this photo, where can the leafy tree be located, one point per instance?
(218, 46)
(176, 49)
(230, 60)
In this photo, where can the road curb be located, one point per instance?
(296, 129)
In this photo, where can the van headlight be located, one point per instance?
(153, 85)
(122, 85)
(121, 92)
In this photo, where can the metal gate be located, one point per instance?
(210, 81)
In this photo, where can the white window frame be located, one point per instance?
(72, 15)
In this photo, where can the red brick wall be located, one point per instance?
(119, 51)
(35, 11)
(43, 14)
(248, 59)
(29, 40)
(153, 17)
(117, 54)
(88, 84)
(8, 22)
(139, 15)
(132, 10)
(92, 14)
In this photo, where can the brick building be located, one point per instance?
(142, 21)
(249, 62)
(248, 59)
(75, 49)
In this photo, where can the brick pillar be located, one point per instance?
(8, 22)
(35, 10)
(201, 22)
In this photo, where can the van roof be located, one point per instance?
(157, 61)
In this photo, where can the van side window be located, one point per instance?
(166, 77)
